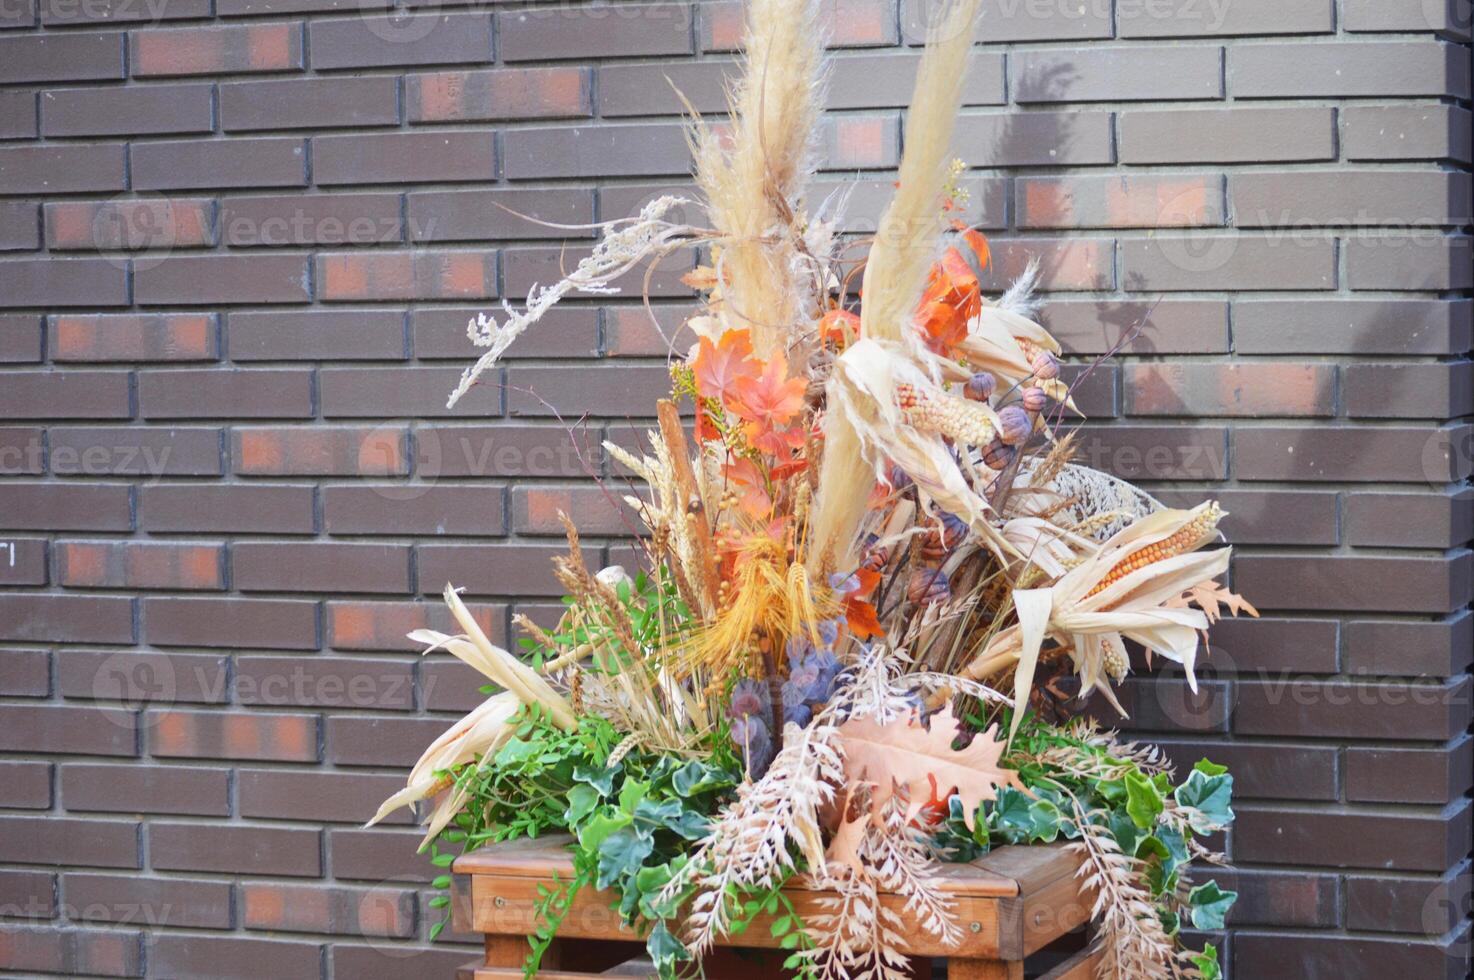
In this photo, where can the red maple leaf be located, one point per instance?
(860, 614)
(951, 299)
(719, 367)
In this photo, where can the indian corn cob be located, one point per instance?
(960, 420)
(1183, 540)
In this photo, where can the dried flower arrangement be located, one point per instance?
(867, 572)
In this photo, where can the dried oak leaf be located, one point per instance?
(905, 757)
(1208, 595)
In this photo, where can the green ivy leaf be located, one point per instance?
(443, 881)
(581, 802)
(1207, 962)
(622, 853)
(1144, 801)
(631, 793)
(1210, 797)
(1210, 904)
(665, 950)
(596, 831)
(1208, 768)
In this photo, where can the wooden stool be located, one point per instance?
(1010, 903)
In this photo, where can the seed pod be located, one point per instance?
(1045, 366)
(931, 546)
(1034, 400)
(997, 455)
(1014, 425)
(898, 477)
(980, 387)
(927, 586)
(954, 530)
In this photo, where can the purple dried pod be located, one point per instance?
(754, 743)
(1014, 425)
(928, 585)
(897, 478)
(954, 530)
(996, 455)
(1034, 400)
(980, 387)
(1045, 366)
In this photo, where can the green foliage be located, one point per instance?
(1146, 815)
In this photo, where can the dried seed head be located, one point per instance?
(996, 455)
(1034, 400)
(1014, 425)
(980, 387)
(1045, 366)
(928, 586)
(1115, 663)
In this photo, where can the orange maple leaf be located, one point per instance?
(860, 613)
(840, 326)
(977, 241)
(719, 367)
(951, 299)
(771, 396)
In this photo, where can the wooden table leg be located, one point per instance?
(960, 969)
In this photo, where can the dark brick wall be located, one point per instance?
(239, 241)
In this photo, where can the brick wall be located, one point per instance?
(238, 244)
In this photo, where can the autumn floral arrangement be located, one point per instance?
(872, 571)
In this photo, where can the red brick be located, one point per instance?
(67, 841)
(29, 617)
(126, 899)
(371, 963)
(1409, 391)
(407, 275)
(1427, 906)
(139, 565)
(91, 951)
(1253, 390)
(235, 849)
(597, 510)
(1149, 452)
(217, 50)
(1391, 709)
(25, 673)
(1035, 139)
(62, 57)
(1285, 900)
(18, 219)
(1003, 20)
(222, 393)
(1270, 644)
(1120, 201)
(141, 789)
(65, 13)
(25, 786)
(327, 682)
(1352, 326)
(1129, 73)
(272, 624)
(252, 509)
(328, 797)
(524, 268)
(501, 93)
(846, 23)
(233, 735)
(354, 625)
(440, 333)
(383, 911)
(1426, 67)
(31, 893)
(320, 451)
(1407, 132)
(411, 509)
(1265, 770)
(133, 337)
(398, 392)
(1064, 264)
(615, 150)
(312, 335)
